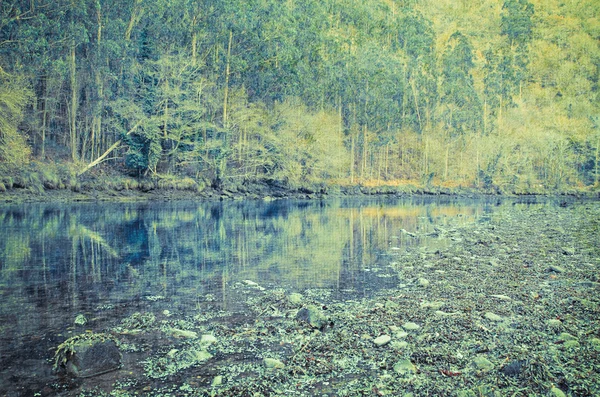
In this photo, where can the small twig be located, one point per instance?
(301, 349)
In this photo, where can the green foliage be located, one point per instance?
(462, 111)
(516, 21)
(218, 91)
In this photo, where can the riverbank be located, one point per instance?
(46, 182)
(169, 189)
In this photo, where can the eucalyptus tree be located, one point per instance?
(460, 110)
(506, 67)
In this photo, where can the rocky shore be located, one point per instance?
(510, 307)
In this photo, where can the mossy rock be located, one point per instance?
(313, 316)
(87, 355)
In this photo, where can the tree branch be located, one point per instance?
(110, 149)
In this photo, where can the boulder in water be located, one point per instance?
(87, 355)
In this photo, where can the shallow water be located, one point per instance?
(107, 260)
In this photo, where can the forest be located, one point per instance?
(486, 94)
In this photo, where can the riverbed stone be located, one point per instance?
(410, 326)
(313, 316)
(80, 320)
(502, 297)
(400, 334)
(382, 340)
(399, 344)
(556, 392)
(440, 313)
(435, 305)
(273, 363)
(93, 357)
(595, 342)
(482, 363)
(493, 316)
(207, 340)
(514, 368)
(405, 367)
(571, 344)
(295, 298)
(554, 323)
(565, 336)
(181, 333)
(390, 305)
(423, 282)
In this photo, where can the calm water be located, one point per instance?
(107, 261)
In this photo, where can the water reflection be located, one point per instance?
(58, 260)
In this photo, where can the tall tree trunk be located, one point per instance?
(194, 39)
(364, 153)
(97, 120)
(227, 67)
(44, 116)
(352, 157)
(73, 108)
(414, 90)
(136, 13)
(446, 161)
(598, 160)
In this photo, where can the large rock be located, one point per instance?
(313, 316)
(86, 356)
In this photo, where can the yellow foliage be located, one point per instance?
(14, 96)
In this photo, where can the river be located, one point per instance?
(106, 261)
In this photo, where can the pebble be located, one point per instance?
(483, 363)
(273, 363)
(556, 269)
(493, 316)
(554, 323)
(595, 342)
(571, 344)
(502, 297)
(252, 284)
(568, 251)
(436, 305)
(410, 326)
(556, 392)
(565, 336)
(80, 320)
(513, 368)
(399, 344)
(405, 367)
(180, 333)
(295, 298)
(391, 305)
(401, 334)
(423, 282)
(382, 340)
(207, 339)
(444, 314)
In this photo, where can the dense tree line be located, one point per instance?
(480, 93)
